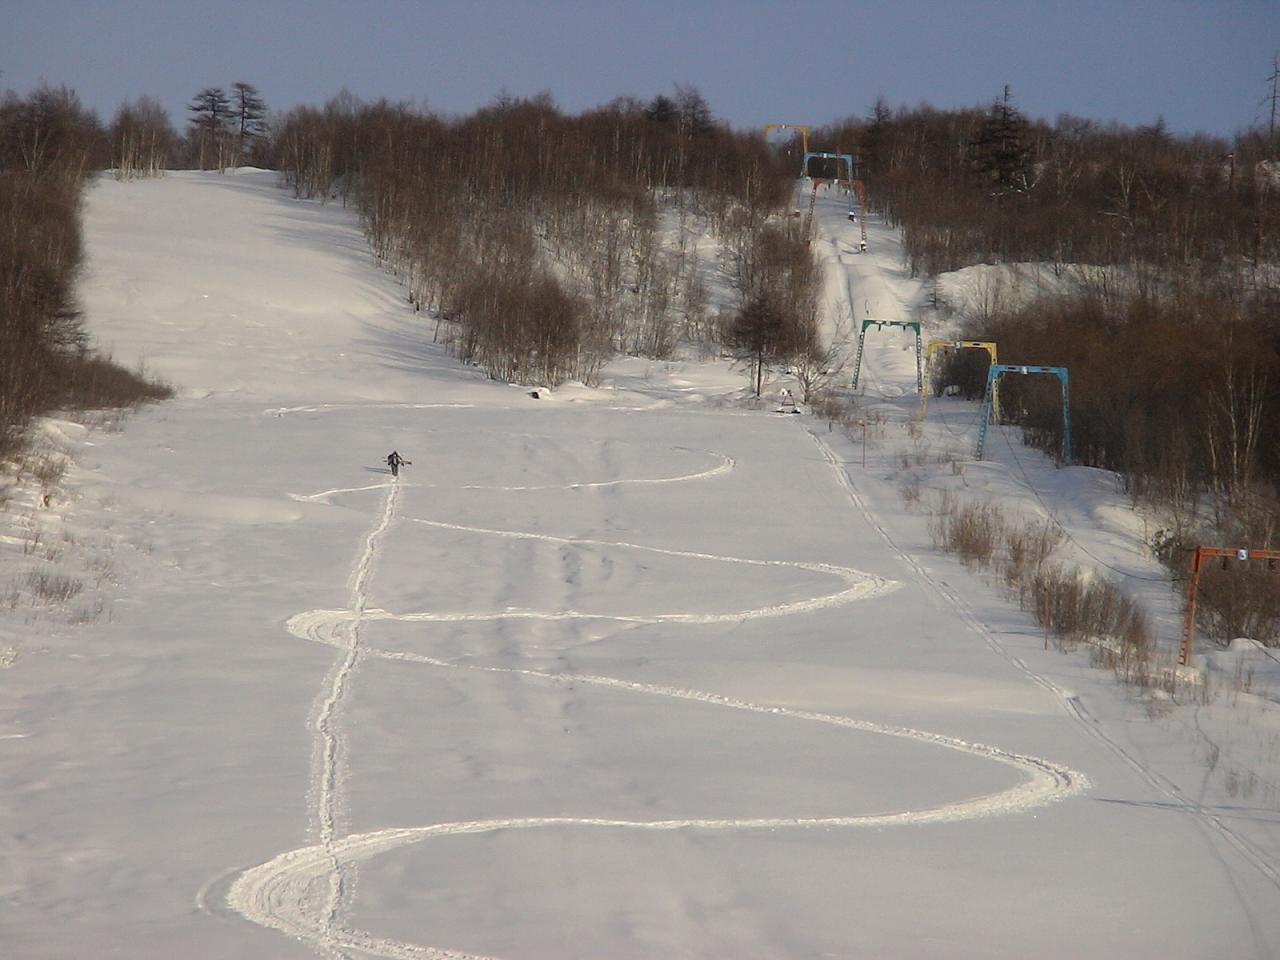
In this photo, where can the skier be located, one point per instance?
(395, 461)
(786, 402)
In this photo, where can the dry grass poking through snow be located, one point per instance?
(1072, 604)
(51, 588)
(53, 571)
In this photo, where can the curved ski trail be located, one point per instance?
(302, 892)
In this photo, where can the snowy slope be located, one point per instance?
(628, 672)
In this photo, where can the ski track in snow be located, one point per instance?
(725, 466)
(301, 892)
(339, 407)
(326, 772)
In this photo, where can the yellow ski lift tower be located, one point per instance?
(936, 345)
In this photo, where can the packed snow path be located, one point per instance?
(283, 893)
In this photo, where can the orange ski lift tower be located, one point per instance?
(803, 128)
(847, 159)
(937, 345)
(1197, 564)
(994, 372)
(862, 340)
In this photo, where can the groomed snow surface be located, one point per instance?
(631, 672)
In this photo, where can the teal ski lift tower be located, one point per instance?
(995, 371)
(903, 324)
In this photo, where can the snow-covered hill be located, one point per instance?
(628, 672)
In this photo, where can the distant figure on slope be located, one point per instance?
(862, 246)
(786, 402)
(395, 461)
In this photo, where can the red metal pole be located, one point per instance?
(1189, 624)
(1048, 619)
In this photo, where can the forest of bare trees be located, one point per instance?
(546, 243)
(49, 145)
(973, 186)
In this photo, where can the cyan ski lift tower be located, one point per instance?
(904, 324)
(995, 371)
(848, 160)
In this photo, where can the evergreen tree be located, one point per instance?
(210, 114)
(249, 111)
(662, 110)
(1001, 153)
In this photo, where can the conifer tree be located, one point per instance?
(210, 113)
(248, 111)
(1001, 154)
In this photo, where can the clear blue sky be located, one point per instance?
(1200, 65)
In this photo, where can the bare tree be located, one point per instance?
(142, 140)
(1271, 102)
(818, 364)
(1233, 426)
